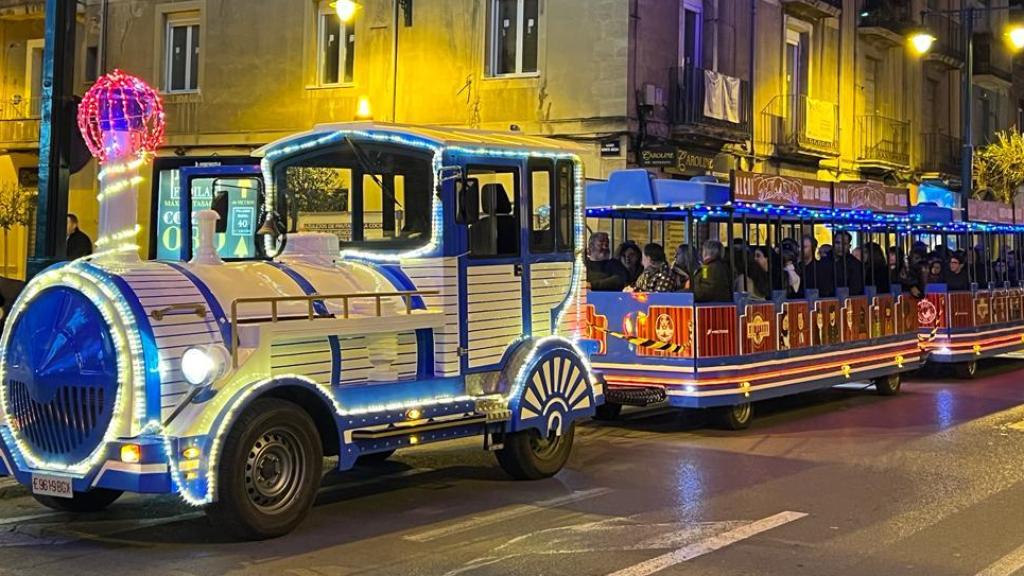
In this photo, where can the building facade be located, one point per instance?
(823, 89)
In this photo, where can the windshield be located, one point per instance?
(369, 195)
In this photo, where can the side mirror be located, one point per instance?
(468, 200)
(220, 206)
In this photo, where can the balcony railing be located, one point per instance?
(949, 40)
(882, 140)
(990, 59)
(19, 121)
(798, 126)
(724, 115)
(182, 114)
(941, 153)
(890, 16)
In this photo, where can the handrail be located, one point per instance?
(197, 308)
(310, 300)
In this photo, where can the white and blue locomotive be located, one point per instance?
(438, 298)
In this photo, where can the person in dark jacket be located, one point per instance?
(956, 275)
(713, 282)
(631, 258)
(876, 268)
(79, 243)
(849, 272)
(604, 273)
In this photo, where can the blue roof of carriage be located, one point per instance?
(437, 135)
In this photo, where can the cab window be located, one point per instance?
(235, 238)
(369, 195)
(542, 234)
(495, 232)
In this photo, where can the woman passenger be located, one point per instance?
(631, 258)
(657, 276)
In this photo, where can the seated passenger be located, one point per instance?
(657, 276)
(793, 280)
(956, 276)
(712, 282)
(604, 273)
(753, 276)
(630, 256)
(685, 265)
(849, 271)
(876, 268)
(936, 271)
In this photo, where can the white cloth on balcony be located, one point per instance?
(721, 97)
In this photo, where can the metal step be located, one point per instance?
(634, 395)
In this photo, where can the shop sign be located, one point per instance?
(873, 196)
(781, 190)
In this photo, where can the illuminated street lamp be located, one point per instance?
(346, 9)
(921, 41)
(1015, 34)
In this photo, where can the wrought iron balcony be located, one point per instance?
(885, 20)
(991, 61)
(940, 153)
(883, 142)
(814, 8)
(800, 127)
(698, 115)
(949, 40)
(19, 123)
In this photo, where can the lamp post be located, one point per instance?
(922, 42)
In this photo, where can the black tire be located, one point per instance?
(527, 456)
(375, 458)
(607, 412)
(89, 502)
(888, 385)
(269, 471)
(966, 370)
(737, 417)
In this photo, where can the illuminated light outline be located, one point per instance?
(239, 401)
(127, 345)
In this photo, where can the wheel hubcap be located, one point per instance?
(274, 470)
(545, 448)
(741, 412)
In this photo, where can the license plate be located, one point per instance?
(52, 486)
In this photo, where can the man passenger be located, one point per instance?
(604, 273)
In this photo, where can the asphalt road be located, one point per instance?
(841, 482)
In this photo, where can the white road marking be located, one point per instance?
(505, 514)
(709, 545)
(1006, 565)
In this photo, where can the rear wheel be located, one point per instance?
(527, 455)
(608, 412)
(888, 385)
(269, 471)
(737, 417)
(966, 370)
(83, 502)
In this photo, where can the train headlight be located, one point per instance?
(201, 365)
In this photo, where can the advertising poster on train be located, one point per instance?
(239, 239)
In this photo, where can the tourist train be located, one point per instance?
(429, 289)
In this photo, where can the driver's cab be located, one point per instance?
(487, 222)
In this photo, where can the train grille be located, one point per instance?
(73, 422)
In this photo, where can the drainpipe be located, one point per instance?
(101, 56)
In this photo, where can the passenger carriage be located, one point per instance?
(665, 347)
(225, 372)
(961, 327)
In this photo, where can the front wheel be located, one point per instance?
(965, 370)
(527, 455)
(888, 385)
(269, 471)
(94, 500)
(736, 417)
